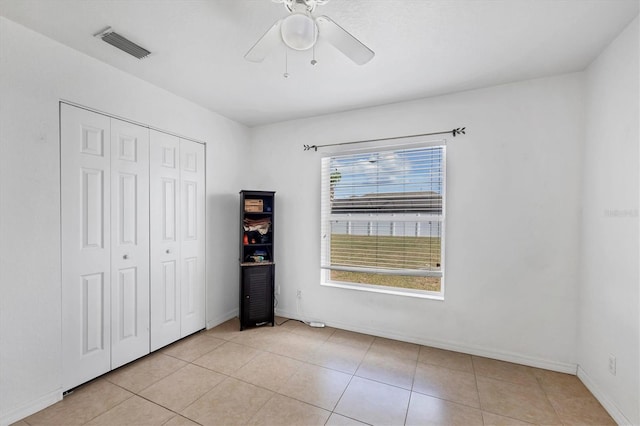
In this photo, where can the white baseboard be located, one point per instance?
(222, 318)
(30, 408)
(608, 405)
(448, 345)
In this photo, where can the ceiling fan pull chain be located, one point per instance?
(286, 63)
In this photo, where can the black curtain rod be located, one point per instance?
(454, 132)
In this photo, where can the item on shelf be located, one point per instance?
(253, 206)
(245, 239)
(261, 225)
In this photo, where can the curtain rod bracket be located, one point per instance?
(455, 132)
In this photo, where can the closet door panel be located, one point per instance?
(164, 238)
(129, 242)
(86, 249)
(192, 175)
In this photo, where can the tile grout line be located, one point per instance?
(104, 412)
(168, 409)
(475, 379)
(339, 399)
(497, 379)
(262, 406)
(546, 397)
(413, 381)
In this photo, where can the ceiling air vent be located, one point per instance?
(122, 43)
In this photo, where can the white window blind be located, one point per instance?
(383, 216)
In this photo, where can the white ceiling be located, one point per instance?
(423, 47)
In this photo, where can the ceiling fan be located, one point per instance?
(300, 30)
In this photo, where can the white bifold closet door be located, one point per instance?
(105, 243)
(129, 242)
(177, 238)
(192, 241)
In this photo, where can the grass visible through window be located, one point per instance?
(387, 252)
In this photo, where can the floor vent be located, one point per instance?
(126, 45)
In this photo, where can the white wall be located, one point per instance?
(35, 73)
(609, 323)
(513, 206)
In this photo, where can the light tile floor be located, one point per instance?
(293, 374)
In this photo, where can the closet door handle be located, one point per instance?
(125, 257)
(168, 251)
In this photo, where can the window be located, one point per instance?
(383, 220)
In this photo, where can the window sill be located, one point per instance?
(385, 290)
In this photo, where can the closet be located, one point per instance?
(132, 216)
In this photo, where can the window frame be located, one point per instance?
(325, 218)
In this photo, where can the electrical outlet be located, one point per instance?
(299, 294)
(612, 364)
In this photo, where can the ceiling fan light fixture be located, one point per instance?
(299, 31)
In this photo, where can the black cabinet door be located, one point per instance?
(256, 295)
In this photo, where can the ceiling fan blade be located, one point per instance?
(343, 41)
(265, 44)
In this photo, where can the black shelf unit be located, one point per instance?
(256, 260)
